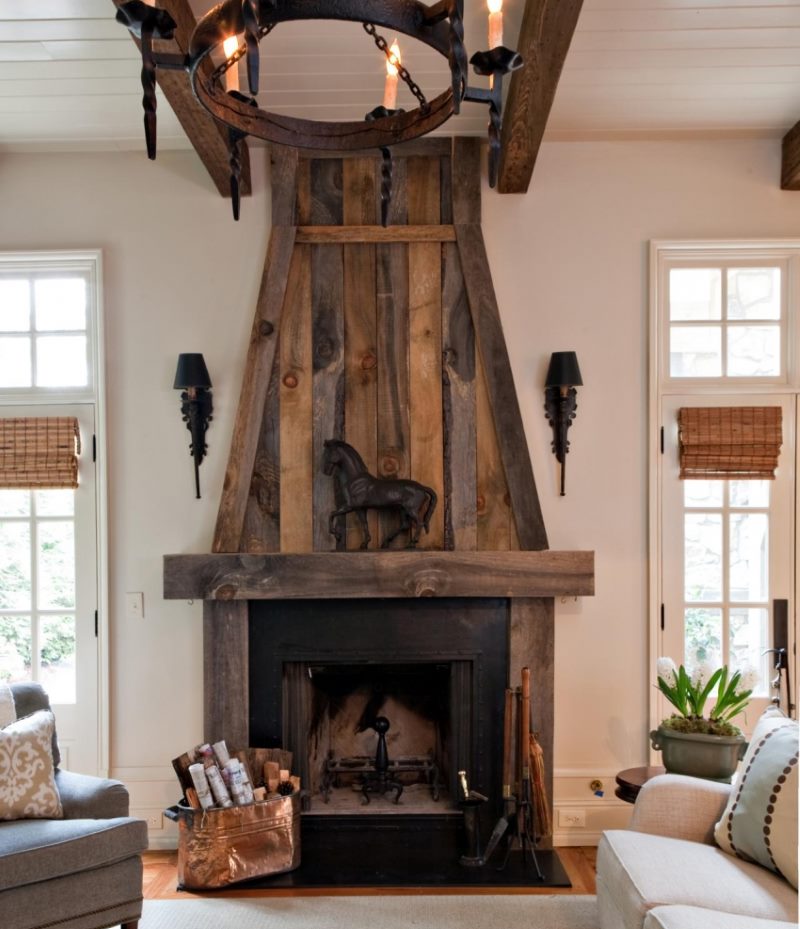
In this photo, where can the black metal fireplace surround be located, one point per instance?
(457, 650)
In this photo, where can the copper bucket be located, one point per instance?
(225, 846)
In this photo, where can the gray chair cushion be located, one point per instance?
(34, 850)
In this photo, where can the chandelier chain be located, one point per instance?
(383, 45)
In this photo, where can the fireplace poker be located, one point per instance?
(508, 816)
(525, 822)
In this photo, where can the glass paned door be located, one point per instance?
(48, 594)
(727, 555)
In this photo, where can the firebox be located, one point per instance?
(416, 683)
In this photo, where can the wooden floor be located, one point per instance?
(160, 880)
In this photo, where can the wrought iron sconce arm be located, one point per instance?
(561, 403)
(196, 406)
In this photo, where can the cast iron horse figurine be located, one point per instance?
(359, 491)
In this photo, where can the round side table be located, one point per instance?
(631, 780)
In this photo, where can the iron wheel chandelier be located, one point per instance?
(233, 30)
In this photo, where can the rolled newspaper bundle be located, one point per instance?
(218, 787)
(200, 781)
(222, 754)
(236, 781)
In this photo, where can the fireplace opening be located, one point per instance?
(379, 737)
(322, 674)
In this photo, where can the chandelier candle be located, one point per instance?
(390, 88)
(495, 23)
(230, 46)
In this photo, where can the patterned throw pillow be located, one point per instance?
(760, 821)
(27, 783)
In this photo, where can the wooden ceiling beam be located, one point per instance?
(790, 168)
(544, 39)
(208, 137)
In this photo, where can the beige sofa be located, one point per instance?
(665, 872)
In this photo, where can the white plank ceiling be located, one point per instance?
(69, 74)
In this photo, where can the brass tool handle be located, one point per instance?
(508, 742)
(525, 722)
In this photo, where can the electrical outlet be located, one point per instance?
(154, 820)
(572, 819)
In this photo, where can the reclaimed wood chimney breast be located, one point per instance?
(389, 339)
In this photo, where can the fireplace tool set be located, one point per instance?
(517, 824)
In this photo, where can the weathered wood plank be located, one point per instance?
(296, 384)
(425, 342)
(261, 532)
(341, 575)
(393, 362)
(458, 398)
(208, 137)
(327, 308)
(283, 184)
(532, 644)
(360, 322)
(225, 672)
(466, 183)
(544, 39)
(320, 235)
(500, 383)
(493, 504)
(790, 164)
(257, 373)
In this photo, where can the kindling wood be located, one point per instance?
(344, 575)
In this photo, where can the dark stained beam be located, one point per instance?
(207, 136)
(790, 168)
(544, 39)
(343, 575)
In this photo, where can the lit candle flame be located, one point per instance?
(394, 58)
(495, 22)
(390, 88)
(230, 46)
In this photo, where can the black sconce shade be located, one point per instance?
(563, 370)
(191, 372)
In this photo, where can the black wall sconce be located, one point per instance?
(192, 378)
(560, 402)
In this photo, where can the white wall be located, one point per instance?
(570, 267)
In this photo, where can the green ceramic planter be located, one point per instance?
(714, 757)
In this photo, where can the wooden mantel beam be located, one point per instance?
(544, 39)
(207, 136)
(790, 168)
(339, 575)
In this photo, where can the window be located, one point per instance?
(726, 319)
(725, 336)
(50, 585)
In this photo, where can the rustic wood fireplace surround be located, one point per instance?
(389, 338)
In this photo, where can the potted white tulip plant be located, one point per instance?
(690, 741)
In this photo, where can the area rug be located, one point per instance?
(388, 912)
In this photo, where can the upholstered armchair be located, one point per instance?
(82, 871)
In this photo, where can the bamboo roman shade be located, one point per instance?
(741, 442)
(39, 451)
